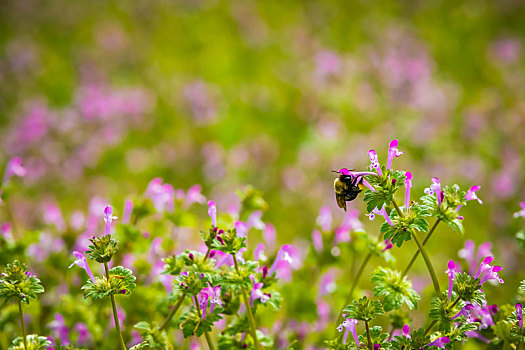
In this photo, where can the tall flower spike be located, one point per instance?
(451, 272)
(82, 262)
(108, 218)
(408, 186)
(471, 194)
(392, 153)
(519, 315)
(381, 212)
(212, 212)
(374, 162)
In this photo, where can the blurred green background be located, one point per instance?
(99, 97)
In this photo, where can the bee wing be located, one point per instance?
(340, 199)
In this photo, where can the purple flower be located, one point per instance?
(377, 346)
(388, 246)
(59, 329)
(83, 333)
(451, 272)
(471, 194)
(487, 272)
(194, 195)
(520, 213)
(241, 228)
(317, 239)
(439, 342)
(108, 218)
(14, 167)
(254, 220)
(288, 258)
(258, 252)
(53, 215)
(324, 220)
(257, 293)
(382, 212)
(128, 209)
(212, 212)
(467, 312)
(82, 262)
(406, 330)
(202, 299)
(408, 186)
(435, 187)
(327, 63)
(471, 256)
(393, 152)
(215, 297)
(349, 325)
(519, 315)
(327, 283)
(374, 162)
(161, 194)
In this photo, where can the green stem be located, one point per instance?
(22, 323)
(423, 253)
(206, 334)
(368, 335)
(251, 319)
(173, 309)
(416, 254)
(115, 314)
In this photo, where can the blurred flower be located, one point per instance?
(288, 259)
(471, 256)
(194, 195)
(506, 50)
(269, 235)
(14, 167)
(520, 213)
(53, 215)
(519, 315)
(59, 329)
(327, 64)
(212, 212)
(327, 283)
(83, 333)
(324, 220)
(317, 239)
(161, 194)
(200, 101)
(128, 209)
(46, 245)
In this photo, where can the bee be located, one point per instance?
(346, 187)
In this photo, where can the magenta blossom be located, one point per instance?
(327, 283)
(82, 262)
(108, 218)
(393, 152)
(408, 186)
(128, 209)
(324, 220)
(161, 194)
(451, 272)
(487, 272)
(374, 162)
(471, 256)
(388, 246)
(471, 194)
(317, 239)
(14, 167)
(439, 342)
(381, 212)
(194, 195)
(406, 330)
(269, 236)
(241, 228)
(288, 259)
(467, 312)
(60, 330)
(203, 299)
(257, 293)
(435, 188)
(212, 212)
(349, 325)
(519, 315)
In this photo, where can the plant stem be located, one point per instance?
(115, 314)
(354, 284)
(423, 253)
(206, 334)
(22, 323)
(416, 254)
(368, 335)
(251, 319)
(173, 309)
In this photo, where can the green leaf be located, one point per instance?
(363, 309)
(34, 342)
(397, 290)
(102, 248)
(121, 281)
(16, 282)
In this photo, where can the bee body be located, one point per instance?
(346, 189)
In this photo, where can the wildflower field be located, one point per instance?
(212, 174)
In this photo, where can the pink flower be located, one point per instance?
(393, 152)
(439, 342)
(324, 220)
(82, 262)
(317, 239)
(381, 212)
(435, 188)
(408, 186)
(161, 194)
(374, 162)
(349, 325)
(108, 218)
(451, 272)
(14, 167)
(212, 212)
(471, 194)
(288, 259)
(194, 195)
(520, 213)
(128, 209)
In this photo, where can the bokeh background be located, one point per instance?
(99, 97)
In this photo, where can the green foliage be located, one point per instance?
(395, 289)
(404, 226)
(232, 243)
(385, 188)
(121, 281)
(251, 200)
(192, 324)
(16, 282)
(155, 338)
(192, 282)
(234, 280)
(363, 309)
(375, 336)
(467, 288)
(34, 342)
(102, 248)
(442, 310)
(447, 212)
